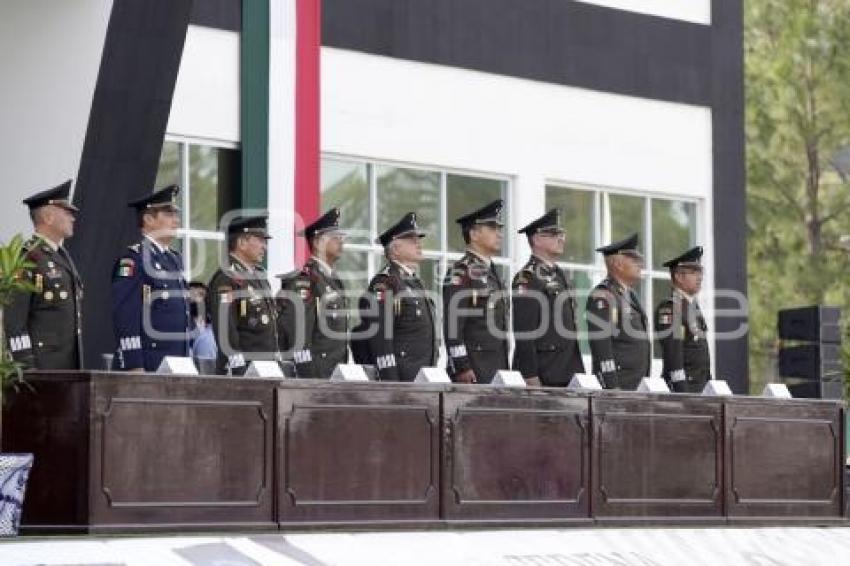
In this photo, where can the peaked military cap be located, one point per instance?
(405, 227)
(549, 222)
(690, 258)
(58, 196)
(627, 246)
(328, 222)
(163, 198)
(488, 214)
(252, 225)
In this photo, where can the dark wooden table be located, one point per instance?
(121, 452)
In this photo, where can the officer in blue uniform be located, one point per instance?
(150, 298)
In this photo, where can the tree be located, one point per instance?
(797, 72)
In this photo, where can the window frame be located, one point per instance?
(443, 256)
(188, 233)
(602, 236)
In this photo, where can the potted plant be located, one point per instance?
(14, 468)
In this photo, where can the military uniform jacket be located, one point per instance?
(244, 316)
(44, 326)
(681, 330)
(480, 294)
(314, 320)
(150, 308)
(403, 332)
(617, 332)
(544, 303)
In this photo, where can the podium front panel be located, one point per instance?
(657, 457)
(519, 455)
(132, 452)
(358, 452)
(784, 459)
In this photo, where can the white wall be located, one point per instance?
(534, 132)
(697, 11)
(206, 96)
(50, 54)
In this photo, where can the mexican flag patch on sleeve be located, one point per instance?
(126, 267)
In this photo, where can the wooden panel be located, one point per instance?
(125, 453)
(784, 459)
(169, 450)
(520, 455)
(362, 452)
(49, 417)
(656, 457)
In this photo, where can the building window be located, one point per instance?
(209, 178)
(372, 196)
(593, 218)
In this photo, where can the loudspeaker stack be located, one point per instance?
(810, 356)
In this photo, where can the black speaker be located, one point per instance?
(833, 389)
(810, 324)
(811, 361)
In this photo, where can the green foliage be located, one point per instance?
(797, 72)
(13, 267)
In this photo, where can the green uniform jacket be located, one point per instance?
(681, 330)
(44, 327)
(244, 317)
(617, 332)
(470, 344)
(314, 320)
(403, 332)
(544, 303)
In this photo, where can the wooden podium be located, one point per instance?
(118, 452)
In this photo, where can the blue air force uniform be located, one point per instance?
(150, 307)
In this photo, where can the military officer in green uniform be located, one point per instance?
(616, 321)
(242, 304)
(680, 326)
(546, 349)
(475, 302)
(399, 329)
(313, 303)
(44, 325)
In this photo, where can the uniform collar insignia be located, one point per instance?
(478, 258)
(237, 265)
(617, 286)
(679, 293)
(51, 245)
(323, 266)
(156, 244)
(404, 269)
